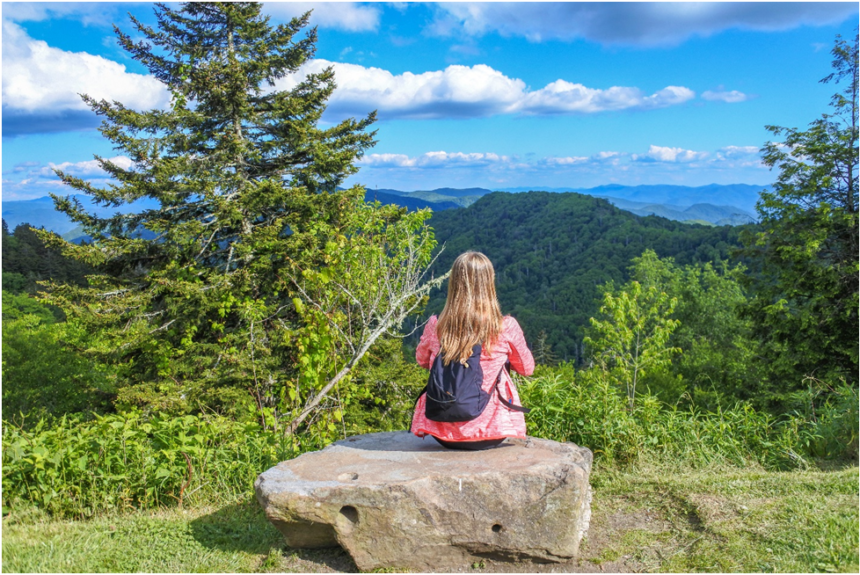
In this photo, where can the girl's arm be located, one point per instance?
(520, 356)
(428, 344)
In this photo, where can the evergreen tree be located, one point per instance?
(27, 261)
(806, 293)
(203, 314)
(543, 353)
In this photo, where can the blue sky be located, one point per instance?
(471, 94)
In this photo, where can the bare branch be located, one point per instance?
(395, 293)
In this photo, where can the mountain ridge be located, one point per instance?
(716, 204)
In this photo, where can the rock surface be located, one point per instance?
(393, 500)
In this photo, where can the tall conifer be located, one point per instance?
(192, 299)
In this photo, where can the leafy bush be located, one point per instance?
(384, 391)
(586, 407)
(20, 305)
(13, 283)
(73, 467)
(43, 376)
(833, 412)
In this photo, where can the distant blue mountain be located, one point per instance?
(38, 213)
(717, 215)
(743, 196)
(386, 197)
(718, 204)
(450, 192)
(41, 213)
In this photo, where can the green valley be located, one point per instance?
(552, 251)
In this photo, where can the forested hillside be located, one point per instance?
(27, 260)
(551, 251)
(410, 203)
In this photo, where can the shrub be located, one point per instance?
(385, 388)
(43, 375)
(585, 407)
(833, 414)
(73, 467)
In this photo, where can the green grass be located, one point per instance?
(652, 519)
(730, 520)
(230, 537)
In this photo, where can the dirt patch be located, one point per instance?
(326, 560)
(615, 542)
(714, 510)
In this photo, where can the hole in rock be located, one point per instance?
(350, 513)
(497, 528)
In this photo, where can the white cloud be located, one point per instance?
(471, 91)
(667, 154)
(659, 165)
(739, 151)
(740, 156)
(730, 97)
(386, 161)
(600, 158)
(23, 189)
(40, 78)
(564, 161)
(564, 97)
(25, 166)
(606, 156)
(33, 179)
(433, 160)
(86, 168)
(347, 16)
(636, 23)
(726, 157)
(457, 91)
(98, 13)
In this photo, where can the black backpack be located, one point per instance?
(454, 391)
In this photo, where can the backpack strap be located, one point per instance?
(420, 393)
(506, 402)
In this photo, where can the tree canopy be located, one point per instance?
(806, 288)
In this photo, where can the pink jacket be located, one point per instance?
(496, 421)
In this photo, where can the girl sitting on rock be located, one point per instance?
(472, 316)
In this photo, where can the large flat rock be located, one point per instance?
(393, 500)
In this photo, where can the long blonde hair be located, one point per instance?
(472, 314)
